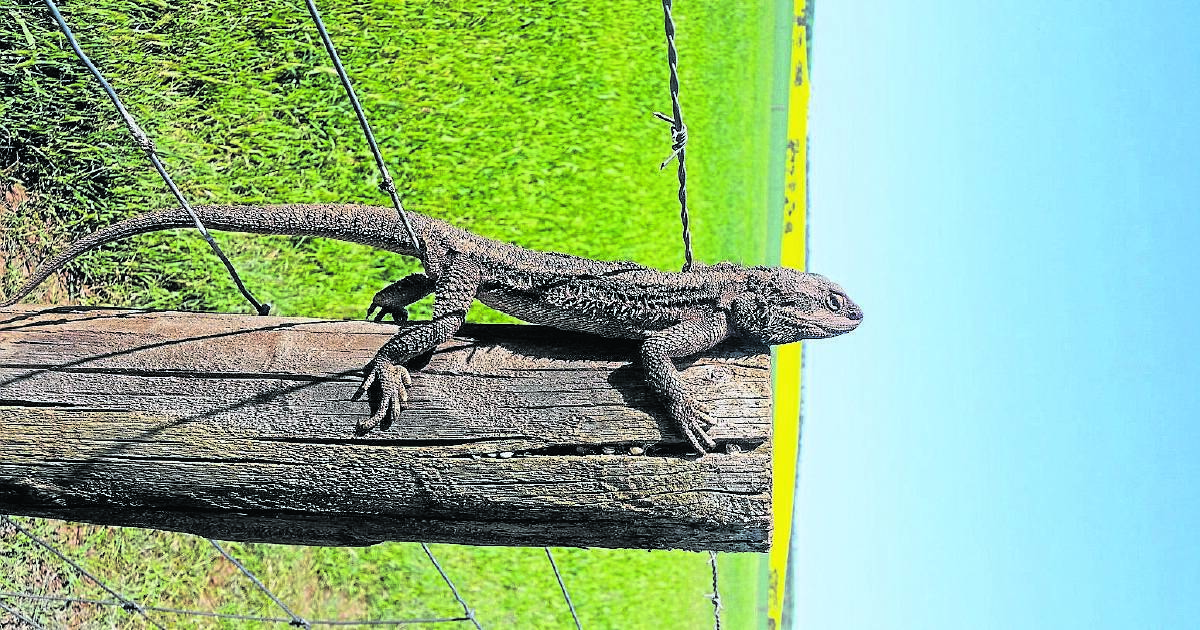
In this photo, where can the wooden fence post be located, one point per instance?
(241, 428)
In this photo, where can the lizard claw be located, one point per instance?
(693, 419)
(395, 298)
(398, 314)
(386, 386)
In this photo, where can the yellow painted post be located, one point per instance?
(788, 358)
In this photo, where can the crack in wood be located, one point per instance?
(9, 402)
(392, 442)
(351, 377)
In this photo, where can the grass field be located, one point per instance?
(530, 125)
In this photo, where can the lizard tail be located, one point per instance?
(369, 225)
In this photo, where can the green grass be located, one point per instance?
(508, 588)
(528, 124)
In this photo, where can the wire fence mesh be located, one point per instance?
(58, 575)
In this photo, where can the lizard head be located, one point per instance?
(783, 305)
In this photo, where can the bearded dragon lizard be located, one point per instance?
(676, 314)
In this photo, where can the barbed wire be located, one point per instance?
(217, 615)
(467, 610)
(716, 592)
(132, 607)
(679, 138)
(678, 134)
(292, 619)
(19, 615)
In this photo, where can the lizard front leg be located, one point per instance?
(395, 298)
(694, 334)
(386, 379)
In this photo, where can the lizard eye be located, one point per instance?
(835, 302)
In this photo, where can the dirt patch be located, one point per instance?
(14, 196)
(23, 245)
(221, 573)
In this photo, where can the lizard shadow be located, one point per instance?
(114, 448)
(625, 376)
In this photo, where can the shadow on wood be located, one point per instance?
(241, 428)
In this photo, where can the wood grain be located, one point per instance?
(241, 428)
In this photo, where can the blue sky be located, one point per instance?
(1011, 190)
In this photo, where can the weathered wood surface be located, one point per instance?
(241, 428)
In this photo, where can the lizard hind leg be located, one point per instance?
(395, 298)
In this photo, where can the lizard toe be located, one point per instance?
(369, 378)
(693, 421)
(704, 438)
(386, 386)
(690, 433)
(398, 315)
(366, 425)
(703, 416)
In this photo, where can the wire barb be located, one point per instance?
(147, 145)
(679, 139)
(716, 594)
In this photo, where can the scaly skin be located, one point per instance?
(677, 314)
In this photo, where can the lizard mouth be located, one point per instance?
(792, 329)
(823, 329)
